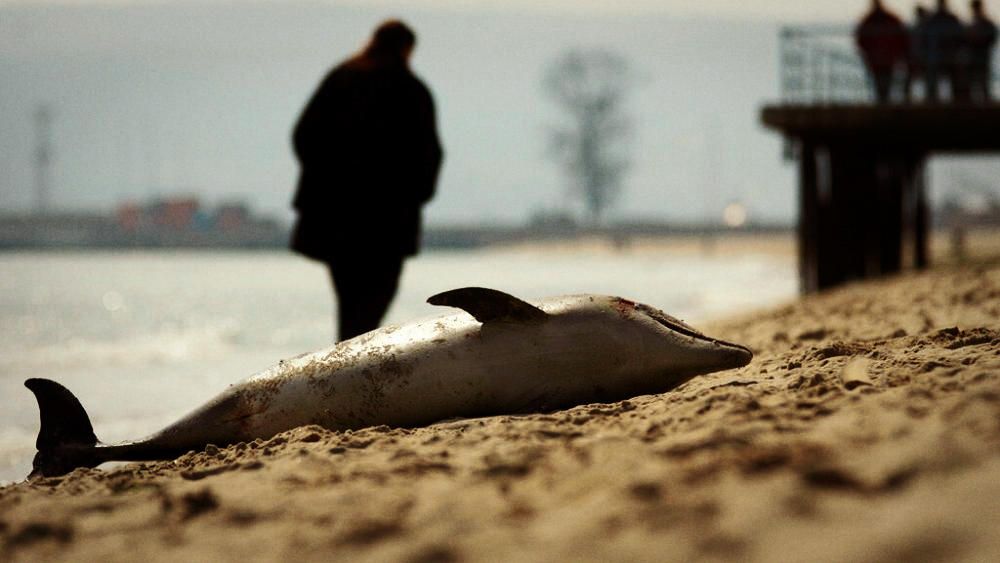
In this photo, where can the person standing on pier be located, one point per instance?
(981, 36)
(882, 39)
(368, 146)
(916, 63)
(944, 41)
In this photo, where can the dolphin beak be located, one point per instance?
(735, 356)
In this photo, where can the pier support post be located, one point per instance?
(921, 247)
(852, 212)
(863, 208)
(808, 227)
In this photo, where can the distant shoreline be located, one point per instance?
(979, 243)
(85, 231)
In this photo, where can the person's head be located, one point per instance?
(392, 41)
(942, 5)
(920, 12)
(977, 7)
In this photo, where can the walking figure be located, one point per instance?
(368, 148)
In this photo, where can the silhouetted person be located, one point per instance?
(882, 39)
(981, 36)
(368, 146)
(917, 62)
(944, 39)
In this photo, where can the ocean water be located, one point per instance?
(143, 337)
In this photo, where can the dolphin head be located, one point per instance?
(683, 351)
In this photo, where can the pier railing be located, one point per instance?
(821, 65)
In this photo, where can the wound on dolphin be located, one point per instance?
(498, 355)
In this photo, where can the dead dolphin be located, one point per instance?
(507, 357)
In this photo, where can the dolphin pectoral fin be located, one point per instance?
(488, 305)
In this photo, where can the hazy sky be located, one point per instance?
(768, 10)
(199, 96)
(783, 10)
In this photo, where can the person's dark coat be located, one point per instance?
(882, 39)
(981, 36)
(944, 39)
(369, 153)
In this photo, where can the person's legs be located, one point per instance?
(908, 80)
(365, 288)
(986, 79)
(979, 84)
(914, 76)
(931, 80)
(961, 90)
(883, 85)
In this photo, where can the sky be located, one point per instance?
(199, 97)
(782, 10)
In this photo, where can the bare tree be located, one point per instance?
(591, 85)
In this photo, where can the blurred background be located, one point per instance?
(146, 174)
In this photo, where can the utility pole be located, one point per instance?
(43, 158)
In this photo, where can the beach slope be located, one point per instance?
(867, 428)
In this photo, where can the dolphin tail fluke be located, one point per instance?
(66, 438)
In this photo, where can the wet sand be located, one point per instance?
(867, 428)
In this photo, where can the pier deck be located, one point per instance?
(862, 186)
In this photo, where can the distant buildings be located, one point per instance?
(57, 230)
(183, 222)
(164, 222)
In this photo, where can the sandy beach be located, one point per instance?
(867, 428)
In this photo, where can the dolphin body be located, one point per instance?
(507, 357)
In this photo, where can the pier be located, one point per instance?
(863, 208)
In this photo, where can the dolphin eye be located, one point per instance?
(668, 321)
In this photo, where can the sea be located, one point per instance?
(143, 337)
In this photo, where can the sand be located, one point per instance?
(866, 429)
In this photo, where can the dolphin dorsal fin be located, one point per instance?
(489, 305)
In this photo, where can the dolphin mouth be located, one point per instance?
(739, 355)
(672, 323)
